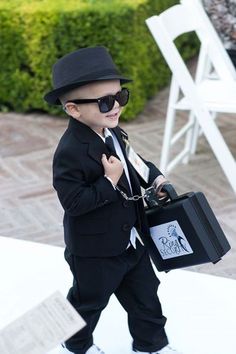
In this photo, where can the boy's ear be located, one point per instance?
(72, 110)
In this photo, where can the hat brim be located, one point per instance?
(52, 97)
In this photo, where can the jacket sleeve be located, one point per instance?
(76, 195)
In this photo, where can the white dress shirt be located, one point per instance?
(133, 233)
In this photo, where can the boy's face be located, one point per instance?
(89, 113)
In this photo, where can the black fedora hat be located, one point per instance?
(80, 68)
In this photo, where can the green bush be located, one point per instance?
(35, 33)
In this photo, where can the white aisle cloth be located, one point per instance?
(201, 309)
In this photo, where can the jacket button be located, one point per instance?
(125, 227)
(125, 204)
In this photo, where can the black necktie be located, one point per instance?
(110, 144)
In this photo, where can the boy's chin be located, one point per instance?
(112, 124)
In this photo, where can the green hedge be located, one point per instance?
(35, 33)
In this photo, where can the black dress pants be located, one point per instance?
(131, 278)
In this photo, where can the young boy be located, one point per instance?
(95, 182)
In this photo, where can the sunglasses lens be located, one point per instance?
(123, 97)
(106, 103)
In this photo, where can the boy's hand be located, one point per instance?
(113, 168)
(158, 184)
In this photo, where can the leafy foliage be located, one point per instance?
(34, 34)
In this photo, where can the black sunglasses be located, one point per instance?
(106, 103)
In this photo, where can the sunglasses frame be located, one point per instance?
(98, 100)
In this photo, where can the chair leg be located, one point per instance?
(170, 121)
(196, 132)
(218, 144)
(189, 137)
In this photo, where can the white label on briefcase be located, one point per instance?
(170, 240)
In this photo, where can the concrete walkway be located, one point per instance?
(29, 208)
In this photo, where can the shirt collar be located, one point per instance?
(106, 134)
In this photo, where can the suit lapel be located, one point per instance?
(86, 135)
(96, 148)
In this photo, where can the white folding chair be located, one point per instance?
(203, 96)
(205, 68)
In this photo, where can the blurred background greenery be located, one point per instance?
(34, 34)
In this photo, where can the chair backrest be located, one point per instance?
(214, 46)
(165, 28)
(189, 16)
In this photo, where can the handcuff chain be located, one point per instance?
(133, 197)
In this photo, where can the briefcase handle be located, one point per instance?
(169, 189)
(152, 199)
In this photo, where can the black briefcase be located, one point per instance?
(184, 232)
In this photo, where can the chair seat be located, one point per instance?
(218, 95)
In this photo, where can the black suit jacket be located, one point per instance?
(97, 219)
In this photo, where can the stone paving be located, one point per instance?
(29, 208)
